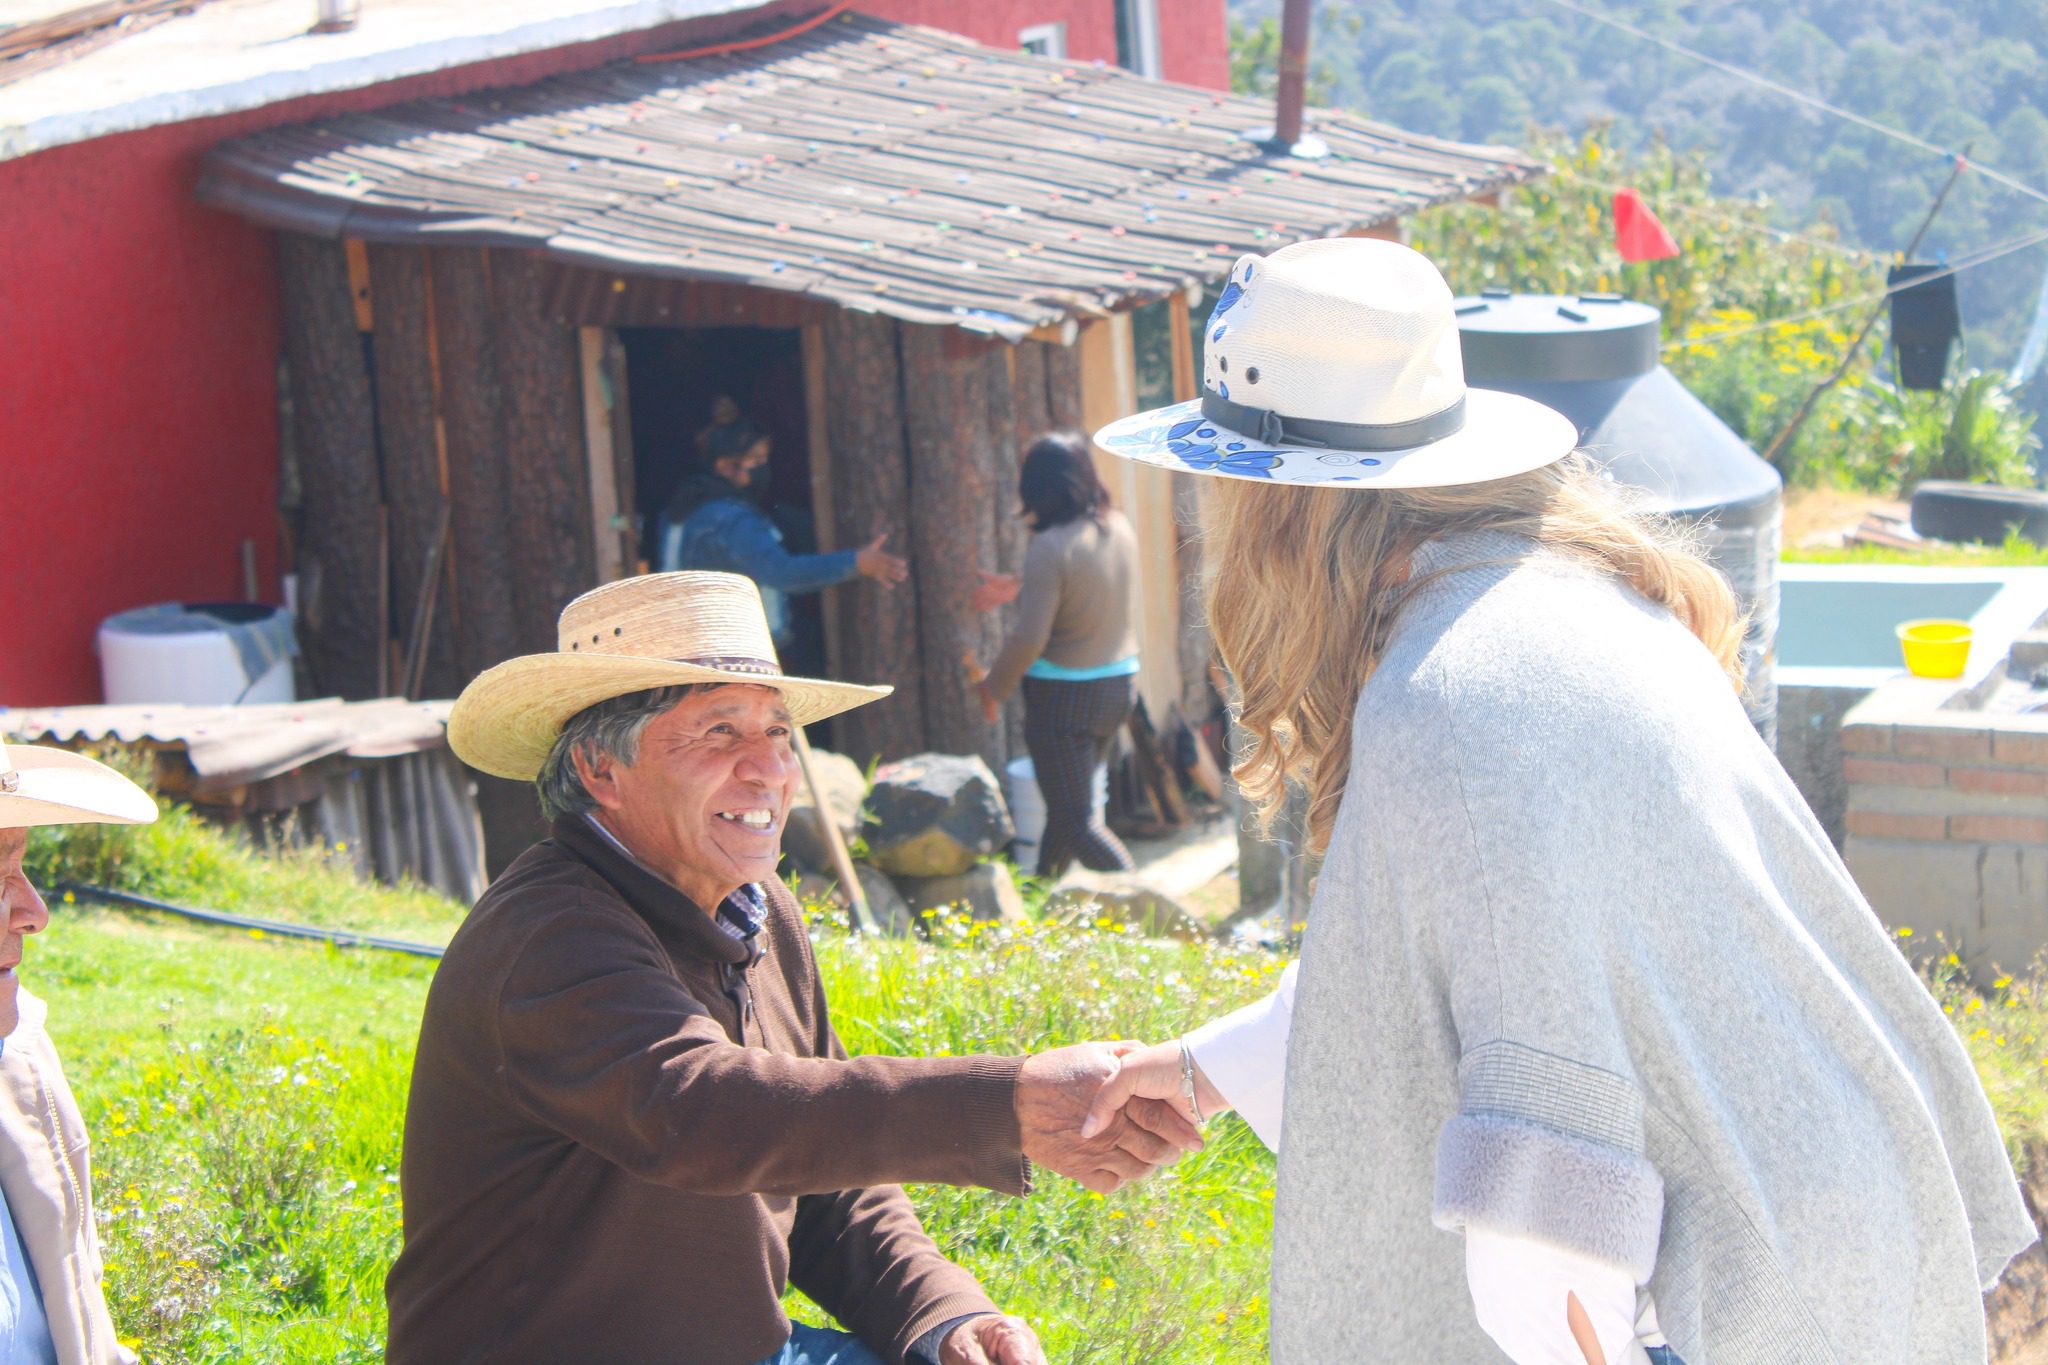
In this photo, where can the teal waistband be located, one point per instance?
(1122, 668)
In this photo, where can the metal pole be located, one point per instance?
(1293, 74)
(1784, 436)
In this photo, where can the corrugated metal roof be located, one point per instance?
(870, 165)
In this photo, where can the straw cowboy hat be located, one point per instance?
(1338, 362)
(40, 786)
(656, 630)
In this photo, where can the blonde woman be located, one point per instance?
(1594, 1053)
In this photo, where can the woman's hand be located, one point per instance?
(1151, 1073)
(993, 591)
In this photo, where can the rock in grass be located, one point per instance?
(892, 915)
(1120, 899)
(985, 891)
(935, 815)
(844, 786)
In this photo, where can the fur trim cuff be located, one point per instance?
(1528, 1180)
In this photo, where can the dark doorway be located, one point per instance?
(674, 378)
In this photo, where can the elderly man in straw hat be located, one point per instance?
(52, 1311)
(631, 1125)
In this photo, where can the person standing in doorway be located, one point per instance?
(714, 522)
(1075, 646)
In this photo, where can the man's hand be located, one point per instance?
(1150, 1073)
(1054, 1092)
(991, 709)
(993, 591)
(877, 563)
(992, 1339)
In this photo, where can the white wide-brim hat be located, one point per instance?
(42, 786)
(1338, 362)
(656, 630)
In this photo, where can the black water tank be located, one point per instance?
(1594, 358)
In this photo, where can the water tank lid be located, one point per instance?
(1556, 338)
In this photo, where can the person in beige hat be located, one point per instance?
(52, 1308)
(631, 1126)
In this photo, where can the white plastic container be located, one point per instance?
(189, 653)
(1027, 808)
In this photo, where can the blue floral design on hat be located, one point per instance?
(1202, 455)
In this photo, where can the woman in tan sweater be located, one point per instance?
(1074, 648)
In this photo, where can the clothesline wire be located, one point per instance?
(1789, 92)
(1673, 206)
(1968, 262)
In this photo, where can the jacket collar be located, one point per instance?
(679, 920)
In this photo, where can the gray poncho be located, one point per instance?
(1582, 966)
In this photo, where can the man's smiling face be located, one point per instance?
(704, 799)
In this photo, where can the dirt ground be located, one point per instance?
(1819, 516)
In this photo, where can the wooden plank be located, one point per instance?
(1063, 405)
(472, 413)
(628, 519)
(359, 282)
(547, 490)
(1109, 385)
(817, 406)
(610, 559)
(871, 484)
(952, 534)
(333, 430)
(408, 434)
(1198, 701)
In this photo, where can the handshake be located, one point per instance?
(1104, 1114)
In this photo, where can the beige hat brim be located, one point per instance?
(508, 718)
(58, 787)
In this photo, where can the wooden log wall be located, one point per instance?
(477, 406)
(408, 432)
(334, 428)
(870, 495)
(957, 411)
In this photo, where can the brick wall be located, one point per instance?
(1947, 829)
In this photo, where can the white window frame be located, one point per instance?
(1144, 21)
(1053, 36)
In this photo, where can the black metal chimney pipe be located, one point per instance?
(1293, 73)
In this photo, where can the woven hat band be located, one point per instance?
(729, 663)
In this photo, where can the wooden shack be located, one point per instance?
(903, 254)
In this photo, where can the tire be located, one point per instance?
(1978, 512)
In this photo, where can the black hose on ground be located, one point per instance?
(341, 938)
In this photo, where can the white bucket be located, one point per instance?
(1027, 808)
(197, 665)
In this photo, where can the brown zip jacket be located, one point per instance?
(47, 1178)
(629, 1130)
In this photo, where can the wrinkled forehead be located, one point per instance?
(12, 843)
(728, 701)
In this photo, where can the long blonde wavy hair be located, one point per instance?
(1303, 588)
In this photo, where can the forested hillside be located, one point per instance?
(1973, 76)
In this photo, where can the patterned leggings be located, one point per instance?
(1070, 729)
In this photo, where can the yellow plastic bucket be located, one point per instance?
(1935, 649)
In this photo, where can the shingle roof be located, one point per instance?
(872, 165)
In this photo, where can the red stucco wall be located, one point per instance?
(139, 342)
(1192, 46)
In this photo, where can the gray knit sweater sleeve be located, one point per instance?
(1548, 1139)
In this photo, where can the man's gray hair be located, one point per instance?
(612, 728)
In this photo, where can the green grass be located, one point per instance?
(246, 1096)
(2014, 553)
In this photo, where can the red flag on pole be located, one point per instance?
(1637, 233)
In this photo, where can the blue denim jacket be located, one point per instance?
(735, 536)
